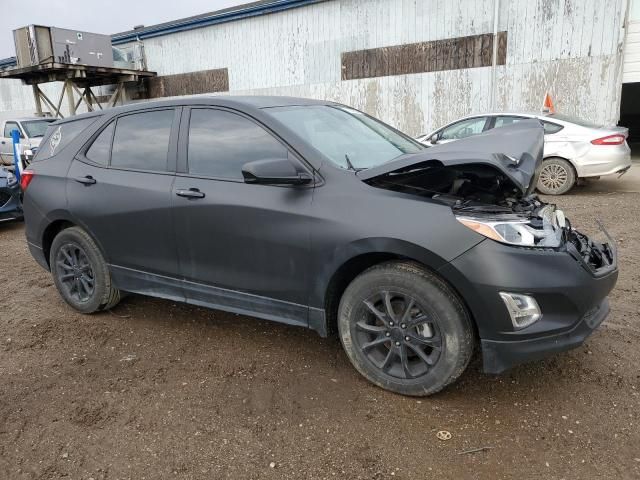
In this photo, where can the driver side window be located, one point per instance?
(463, 129)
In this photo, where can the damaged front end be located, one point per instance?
(492, 193)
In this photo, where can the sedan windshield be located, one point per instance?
(36, 128)
(349, 138)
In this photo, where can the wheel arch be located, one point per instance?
(62, 222)
(364, 255)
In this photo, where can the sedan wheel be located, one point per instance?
(404, 329)
(556, 177)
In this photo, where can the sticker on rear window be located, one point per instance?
(55, 140)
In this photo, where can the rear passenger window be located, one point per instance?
(101, 148)
(141, 140)
(220, 143)
(502, 121)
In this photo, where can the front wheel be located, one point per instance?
(556, 177)
(404, 329)
(80, 272)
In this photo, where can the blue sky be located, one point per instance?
(98, 16)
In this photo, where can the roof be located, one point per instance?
(247, 10)
(262, 7)
(244, 103)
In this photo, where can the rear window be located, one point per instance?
(575, 120)
(60, 135)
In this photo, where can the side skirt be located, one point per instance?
(137, 281)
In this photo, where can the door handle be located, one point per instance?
(86, 180)
(191, 193)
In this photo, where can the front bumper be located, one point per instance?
(571, 295)
(498, 356)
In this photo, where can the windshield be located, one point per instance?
(349, 138)
(36, 128)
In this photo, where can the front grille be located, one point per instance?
(4, 198)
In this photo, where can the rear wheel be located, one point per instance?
(80, 272)
(404, 329)
(556, 177)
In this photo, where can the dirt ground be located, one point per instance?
(156, 390)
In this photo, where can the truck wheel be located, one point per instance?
(556, 177)
(404, 329)
(80, 272)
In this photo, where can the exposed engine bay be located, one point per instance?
(486, 200)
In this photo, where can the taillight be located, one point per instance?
(616, 139)
(25, 179)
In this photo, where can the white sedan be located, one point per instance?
(573, 148)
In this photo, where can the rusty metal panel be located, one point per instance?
(205, 81)
(449, 54)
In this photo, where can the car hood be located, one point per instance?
(515, 150)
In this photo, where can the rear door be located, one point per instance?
(119, 188)
(242, 247)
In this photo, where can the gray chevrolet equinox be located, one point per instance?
(314, 214)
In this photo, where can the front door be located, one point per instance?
(119, 188)
(242, 247)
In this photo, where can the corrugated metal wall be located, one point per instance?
(572, 48)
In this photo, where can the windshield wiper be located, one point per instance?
(350, 165)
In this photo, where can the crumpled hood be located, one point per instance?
(516, 150)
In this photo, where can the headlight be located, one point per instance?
(522, 232)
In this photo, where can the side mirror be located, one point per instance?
(274, 171)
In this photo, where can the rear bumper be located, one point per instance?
(498, 356)
(38, 255)
(604, 160)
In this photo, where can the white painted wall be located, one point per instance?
(631, 69)
(571, 48)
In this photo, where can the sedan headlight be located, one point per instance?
(522, 232)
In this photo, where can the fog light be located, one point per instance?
(523, 309)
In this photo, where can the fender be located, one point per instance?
(340, 256)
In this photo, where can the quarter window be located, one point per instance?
(100, 150)
(141, 140)
(220, 143)
(550, 128)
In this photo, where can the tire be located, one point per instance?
(90, 288)
(385, 348)
(557, 177)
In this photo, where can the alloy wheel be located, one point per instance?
(75, 272)
(554, 176)
(397, 335)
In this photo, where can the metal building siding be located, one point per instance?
(631, 68)
(571, 48)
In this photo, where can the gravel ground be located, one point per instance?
(156, 390)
